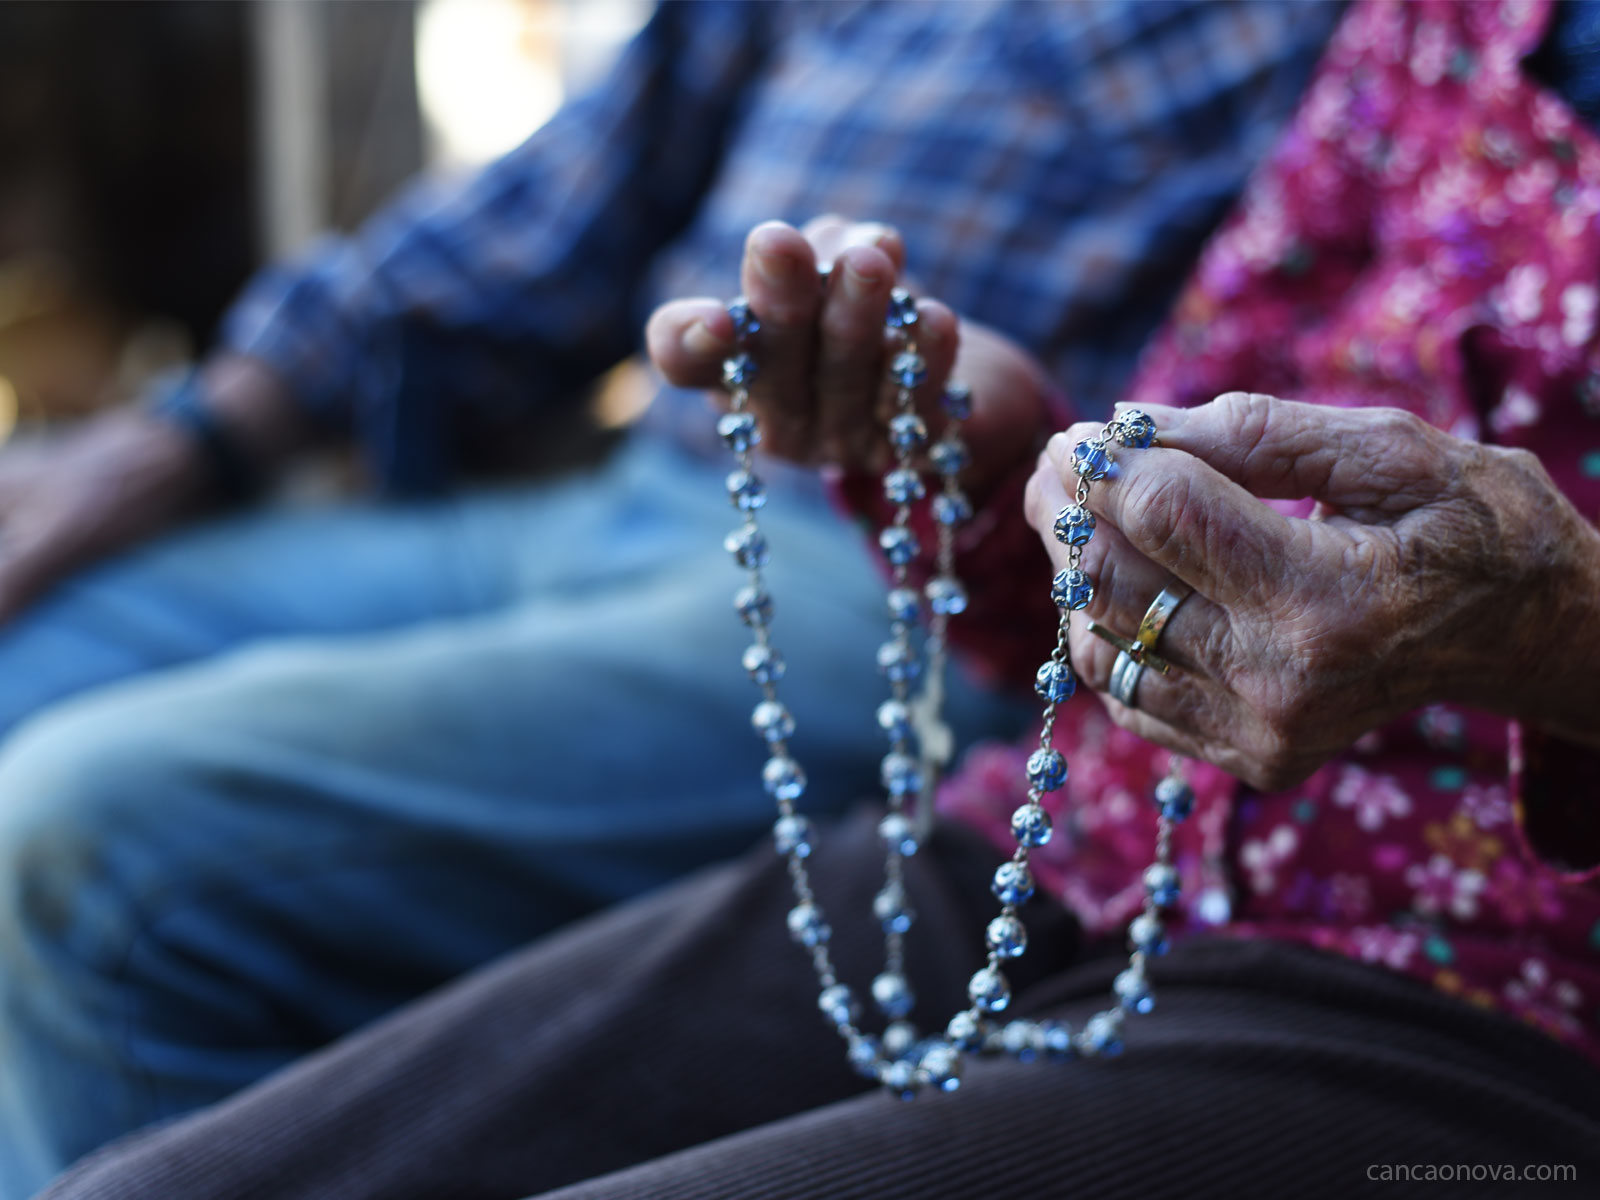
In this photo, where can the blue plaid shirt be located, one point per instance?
(1054, 168)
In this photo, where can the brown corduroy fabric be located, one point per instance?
(670, 1050)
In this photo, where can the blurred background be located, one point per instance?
(154, 152)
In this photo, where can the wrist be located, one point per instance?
(1558, 684)
(239, 422)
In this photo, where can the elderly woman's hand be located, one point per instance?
(822, 391)
(1433, 569)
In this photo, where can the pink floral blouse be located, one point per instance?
(1426, 235)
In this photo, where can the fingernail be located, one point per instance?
(699, 341)
(856, 285)
(1166, 419)
(774, 269)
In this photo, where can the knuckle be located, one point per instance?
(1519, 461)
(1247, 414)
(1404, 432)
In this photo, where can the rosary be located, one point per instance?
(920, 744)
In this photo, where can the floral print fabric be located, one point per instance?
(1427, 236)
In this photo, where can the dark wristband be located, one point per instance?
(179, 400)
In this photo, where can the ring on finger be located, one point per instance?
(1125, 675)
(1133, 657)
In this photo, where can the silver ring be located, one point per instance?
(1125, 675)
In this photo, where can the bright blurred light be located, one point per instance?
(490, 72)
(8, 408)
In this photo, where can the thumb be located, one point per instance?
(1372, 464)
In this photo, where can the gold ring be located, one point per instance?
(1160, 612)
(1141, 650)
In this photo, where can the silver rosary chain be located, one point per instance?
(920, 743)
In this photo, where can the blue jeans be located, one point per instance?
(269, 779)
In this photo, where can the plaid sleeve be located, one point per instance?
(459, 310)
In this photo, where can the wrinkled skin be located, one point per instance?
(1433, 569)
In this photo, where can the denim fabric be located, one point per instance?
(289, 771)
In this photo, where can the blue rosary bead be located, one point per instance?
(1090, 459)
(1020, 1039)
(745, 322)
(898, 834)
(907, 432)
(1133, 990)
(898, 1039)
(754, 605)
(899, 545)
(951, 508)
(739, 371)
(838, 1004)
(905, 605)
(792, 834)
(1006, 936)
(894, 718)
(1055, 682)
(908, 369)
(764, 664)
(966, 1032)
(946, 596)
(783, 778)
(1148, 935)
(1072, 589)
(1074, 525)
(748, 547)
(1031, 826)
(806, 925)
(900, 1080)
(989, 991)
(1161, 882)
(949, 455)
(957, 400)
(1056, 1038)
(1012, 884)
(1174, 798)
(902, 312)
(1047, 769)
(898, 661)
(1135, 429)
(940, 1065)
(1101, 1036)
(893, 995)
(900, 774)
(903, 486)
(893, 910)
(746, 490)
(739, 431)
(772, 721)
(864, 1052)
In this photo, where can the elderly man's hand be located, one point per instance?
(1433, 569)
(822, 392)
